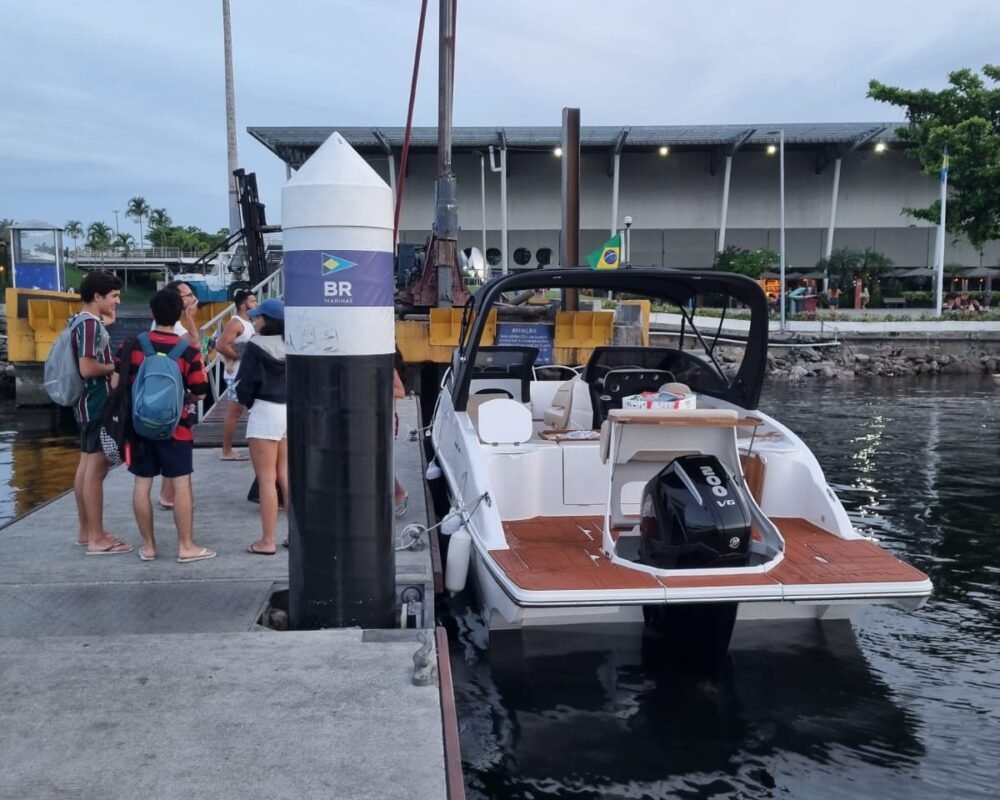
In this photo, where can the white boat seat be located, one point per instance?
(477, 400)
(571, 408)
(504, 421)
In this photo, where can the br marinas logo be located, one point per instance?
(334, 265)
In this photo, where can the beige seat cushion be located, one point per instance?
(571, 408)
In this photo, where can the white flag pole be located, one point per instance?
(939, 256)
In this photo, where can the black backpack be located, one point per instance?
(116, 416)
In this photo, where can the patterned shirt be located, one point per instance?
(192, 371)
(91, 340)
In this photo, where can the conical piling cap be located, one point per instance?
(336, 187)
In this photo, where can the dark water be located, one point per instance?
(35, 464)
(892, 705)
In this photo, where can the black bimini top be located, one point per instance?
(678, 287)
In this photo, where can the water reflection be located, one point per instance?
(35, 464)
(576, 713)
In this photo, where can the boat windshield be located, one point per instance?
(707, 331)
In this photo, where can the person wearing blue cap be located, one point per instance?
(260, 386)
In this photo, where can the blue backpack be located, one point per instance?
(158, 391)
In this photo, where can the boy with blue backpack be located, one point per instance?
(168, 377)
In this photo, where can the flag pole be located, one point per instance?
(941, 233)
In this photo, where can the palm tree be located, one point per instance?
(124, 241)
(74, 230)
(99, 236)
(138, 209)
(158, 220)
(842, 266)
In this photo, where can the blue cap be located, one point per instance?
(272, 308)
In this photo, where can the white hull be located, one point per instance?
(528, 479)
(547, 477)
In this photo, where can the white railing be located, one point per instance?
(152, 253)
(271, 286)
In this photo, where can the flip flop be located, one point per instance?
(84, 543)
(166, 506)
(235, 457)
(144, 557)
(401, 508)
(202, 555)
(116, 549)
(256, 552)
(284, 542)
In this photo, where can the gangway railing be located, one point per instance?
(271, 286)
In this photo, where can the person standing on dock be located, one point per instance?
(101, 295)
(235, 335)
(187, 328)
(172, 458)
(260, 386)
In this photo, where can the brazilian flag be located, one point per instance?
(608, 255)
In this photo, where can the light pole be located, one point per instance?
(781, 223)
(231, 157)
(482, 192)
(116, 222)
(628, 242)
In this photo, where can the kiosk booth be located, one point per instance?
(37, 256)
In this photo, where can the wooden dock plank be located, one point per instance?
(208, 432)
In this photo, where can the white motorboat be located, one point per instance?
(572, 504)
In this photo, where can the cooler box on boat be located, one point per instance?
(662, 400)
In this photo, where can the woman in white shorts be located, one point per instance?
(260, 386)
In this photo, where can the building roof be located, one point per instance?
(294, 145)
(35, 225)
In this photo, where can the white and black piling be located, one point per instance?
(340, 337)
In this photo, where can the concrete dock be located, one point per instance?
(121, 678)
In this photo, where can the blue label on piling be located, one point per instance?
(318, 278)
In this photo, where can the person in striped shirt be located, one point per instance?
(101, 295)
(172, 458)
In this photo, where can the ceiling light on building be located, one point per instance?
(558, 152)
(664, 151)
(772, 149)
(881, 147)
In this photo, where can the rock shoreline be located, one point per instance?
(884, 360)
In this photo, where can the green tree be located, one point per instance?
(159, 220)
(965, 118)
(74, 230)
(752, 263)
(138, 209)
(99, 236)
(874, 266)
(5, 254)
(842, 266)
(123, 242)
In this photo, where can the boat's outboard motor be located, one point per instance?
(693, 516)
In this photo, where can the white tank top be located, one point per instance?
(232, 367)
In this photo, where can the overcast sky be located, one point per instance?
(106, 99)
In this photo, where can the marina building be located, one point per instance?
(689, 190)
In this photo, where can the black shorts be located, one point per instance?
(90, 437)
(169, 458)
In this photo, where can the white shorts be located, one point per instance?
(267, 421)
